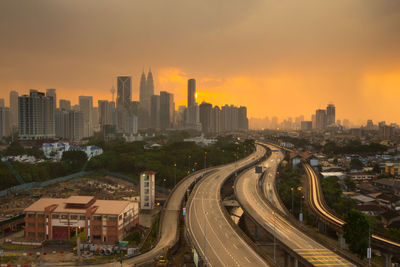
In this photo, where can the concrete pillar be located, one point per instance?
(321, 227)
(387, 260)
(257, 234)
(295, 262)
(287, 259)
(342, 241)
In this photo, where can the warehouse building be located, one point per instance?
(96, 220)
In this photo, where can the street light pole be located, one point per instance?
(291, 189)
(174, 174)
(205, 159)
(205, 237)
(301, 205)
(273, 213)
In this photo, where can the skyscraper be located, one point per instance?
(65, 104)
(4, 122)
(191, 92)
(330, 115)
(86, 106)
(146, 92)
(52, 93)
(206, 117)
(166, 110)
(36, 116)
(2, 105)
(69, 124)
(243, 121)
(320, 119)
(155, 111)
(124, 92)
(14, 109)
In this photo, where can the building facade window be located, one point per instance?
(31, 234)
(55, 216)
(64, 216)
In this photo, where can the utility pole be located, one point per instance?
(205, 237)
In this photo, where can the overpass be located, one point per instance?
(213, 235)
(258, 197)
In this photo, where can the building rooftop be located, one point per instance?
(102, 206)
(80, 200)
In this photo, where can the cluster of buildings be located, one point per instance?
(101, 221)
(36, 116)
(55, 150)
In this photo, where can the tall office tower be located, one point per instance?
(14, 109)
(150, 85)
(86, 106)
(370, 125)
(330, 115)
(95, 119)
(65, 104)
(155, 111)
(52, 92)
(2, 105)
(166, 110)
(4, 122)
(135, 105)
(306, 125)
(320, 119)
(191, 92)
(69, 124)
(216, 120)
(105, 112)
(36, 116)
(131, 124)
(243, 120)
(206, 117)
(124, 92)
(142, 88)
(179, 117)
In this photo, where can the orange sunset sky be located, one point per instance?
(278, 58)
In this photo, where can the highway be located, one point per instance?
(253, 202)
(208, 227)
(168, 222)
(318, 204)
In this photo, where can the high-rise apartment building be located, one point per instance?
(69, 124)
(206, 117)
(166, 110)
(124, 92)
(306, 125)
(86, 106)
(106, 113)
(242, 119)
(36, 116)
(52, 92)
(330, 115)
(320, 119)
(65, 104)
(4, 122)
(14, 109)
(2, 105)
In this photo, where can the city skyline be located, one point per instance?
(356, 67)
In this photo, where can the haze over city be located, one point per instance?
(277, 58)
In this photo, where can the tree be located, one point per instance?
(74, 158)
(356, 164)
(356, 232)
(350, 184)
(14, 149)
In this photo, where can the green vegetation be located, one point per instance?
(356, 232)
(356, 164)
(134, 238)
(172, 160)
(350, 184)
(333, 196)
(289, 179)
(153, 235)
(353, 147)
(15, 149)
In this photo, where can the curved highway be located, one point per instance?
(253, 202)
(318, 204)
(209, 228)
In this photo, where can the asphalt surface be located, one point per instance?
(317, 203)
(209, 228)
(169, 227)
(249, 196)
